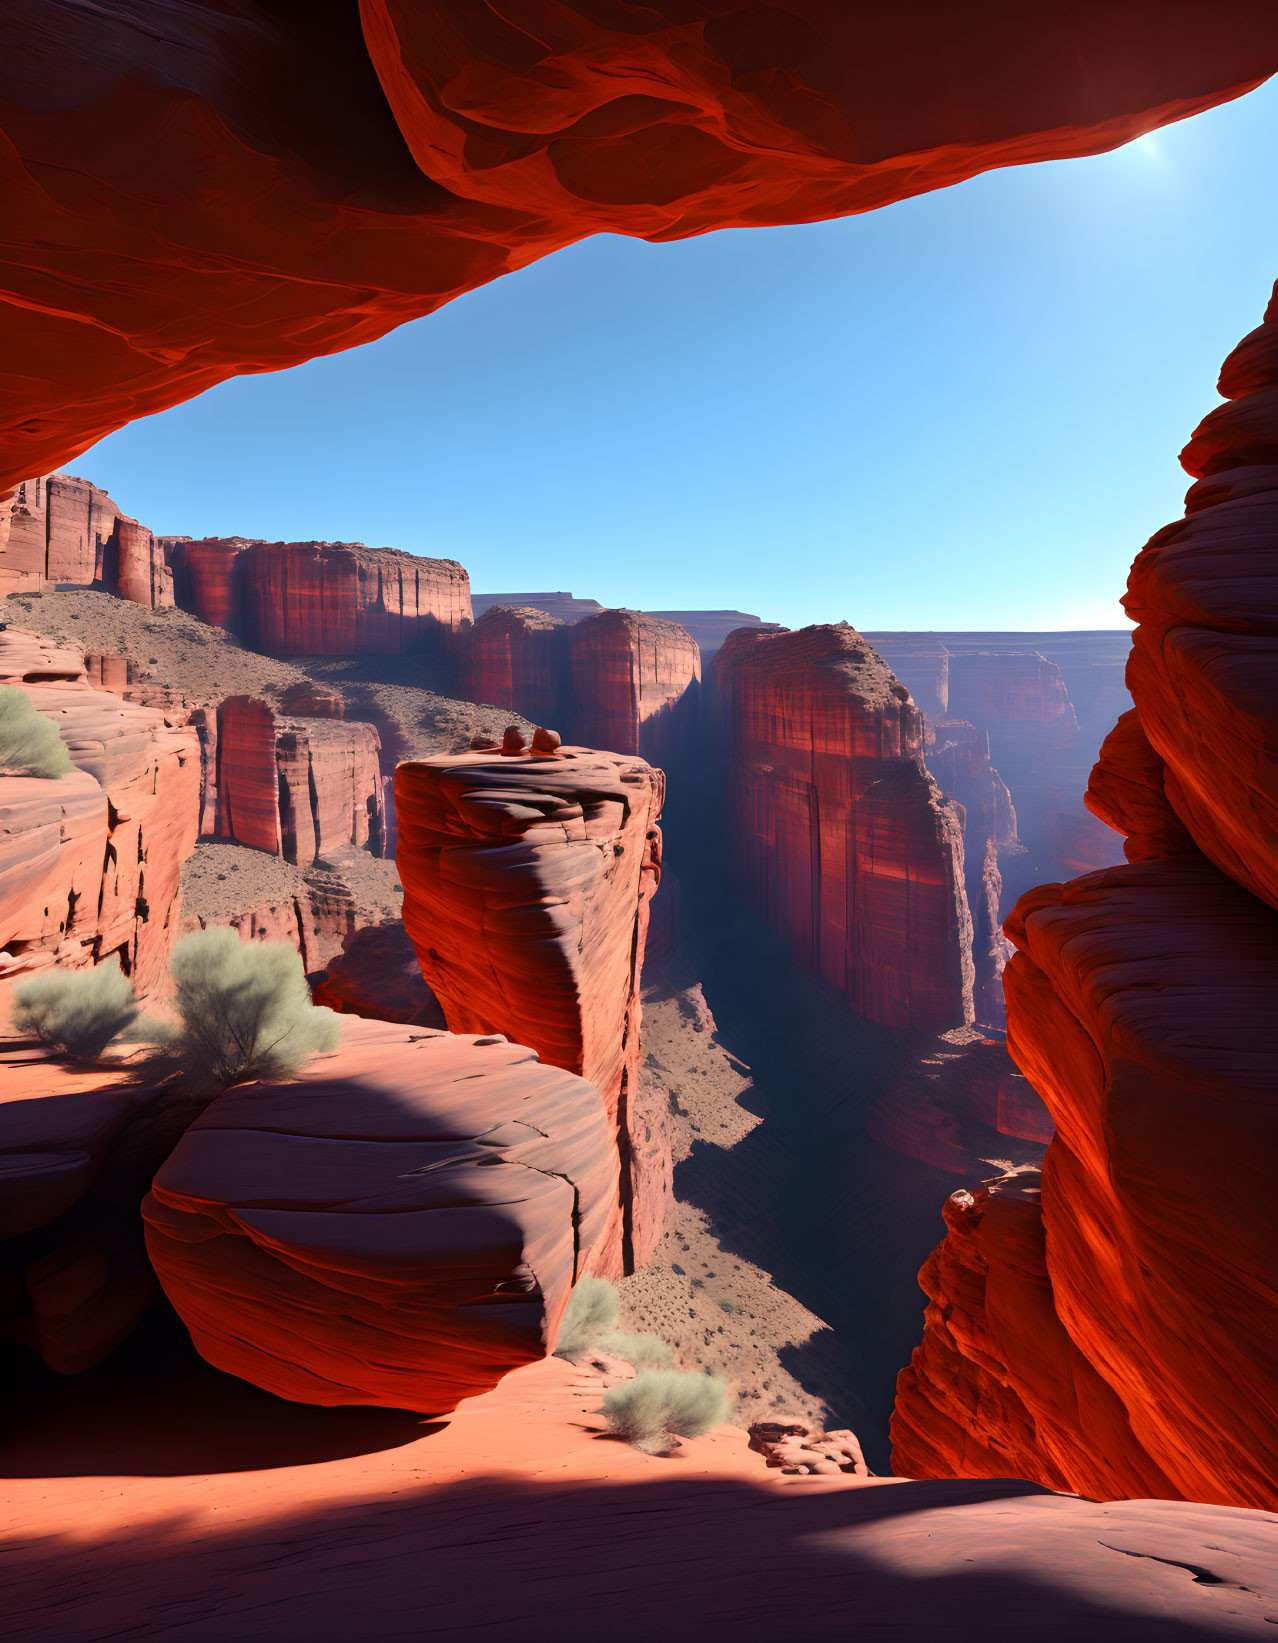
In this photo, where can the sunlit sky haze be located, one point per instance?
(960, 412)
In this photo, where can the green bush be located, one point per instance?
(640, 1351)
(28, 741)
(593, 1311)
(661, 1403)
(245, 1008)
(77, 1012)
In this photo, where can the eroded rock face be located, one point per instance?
(1204, 667)
(843, 840)
(1138, 1008)
(95, 857)
(376, 974)
(630, 674)
(470, 144)
(400, 1225)
(526, 887)
(515, 657)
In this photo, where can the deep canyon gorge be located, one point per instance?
(886, 1015)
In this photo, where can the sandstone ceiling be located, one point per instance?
(201, 188)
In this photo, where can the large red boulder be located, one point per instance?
(399, 1225)
(526, 886)
(183, 206)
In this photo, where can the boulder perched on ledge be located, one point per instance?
(400, 1225)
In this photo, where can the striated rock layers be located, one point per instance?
(842, 839)
(184, 207)
(293, 787)
(89, 863)
(321, 598)
(1120, 1335)
(399, 1226)
(58, 528)
(619, 680)
(526, 882)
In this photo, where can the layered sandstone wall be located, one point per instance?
(295, 787)
(58, 528)
(1120, 1334)
(842, 839)
(93, 859)
(526, 882)
(321, 598)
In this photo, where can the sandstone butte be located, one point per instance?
(1118, 1334)
(184, 207)
(527, 878)
(90, 862)
(842, 839)
(399, 1225)
(622, 680)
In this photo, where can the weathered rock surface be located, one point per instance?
(842, 839)
(96, 856)
(709, 628)
(321, 598)
(299, 788)
(464, 150)
(1127, 792)
(1204, 668)
(1139, 1008)
(526, 887)
(400, 1225)
(563, 606)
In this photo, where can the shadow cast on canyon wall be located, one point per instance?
(154, 1408)
(699, 1558)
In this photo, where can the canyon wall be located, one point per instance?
(1117, 1330)
(841, 838)
(321, 598)
(58, 528)
(618, 680)
(92, 860)
(527, 878)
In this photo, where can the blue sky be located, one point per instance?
(960, 412)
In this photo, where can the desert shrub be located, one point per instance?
(593, 1310)
(640, 1351)
(245, 1009)
(29, 741)
(77, 1012)
(660, 1403)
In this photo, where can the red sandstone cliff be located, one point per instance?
(516, 657)
(90, 863)
(526, 887)
(58, 528)
(321, 598)
(842, 839)
(296, 787)
(1121, 1334)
